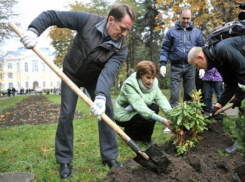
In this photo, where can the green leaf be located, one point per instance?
(186, 126)
(179, 120)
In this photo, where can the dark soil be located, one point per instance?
(32, 110)
(204, 163)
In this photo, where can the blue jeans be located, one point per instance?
(208, 88)
(176, 76)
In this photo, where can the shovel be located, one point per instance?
(152, 158)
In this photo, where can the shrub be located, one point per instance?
(188, 121)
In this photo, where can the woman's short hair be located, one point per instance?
(146, 67)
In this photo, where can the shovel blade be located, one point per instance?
(157, 162)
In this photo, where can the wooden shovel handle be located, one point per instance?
(86, 99)
(224, 108)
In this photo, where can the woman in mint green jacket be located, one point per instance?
(137, 107)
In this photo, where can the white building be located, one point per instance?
(24, 69)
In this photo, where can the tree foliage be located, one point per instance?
(6, 12)
(207, 14)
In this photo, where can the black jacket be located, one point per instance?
(230, 62)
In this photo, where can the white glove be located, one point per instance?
(201, 73)
(241, 86)
(29, 39)
(99, 106)
(163, 71)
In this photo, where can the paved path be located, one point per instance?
(232, 112)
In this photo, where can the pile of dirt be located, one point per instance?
(205, 163)
(35, 109)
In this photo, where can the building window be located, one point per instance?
(18, 84)
(0, 75)
(34, 66)
(43, 67)
(18, 67)
(58, 84)
(51, 84)
(26, 67)
(9, 65)
(10, 75)
(10, 84)
(44, 84)
(27, 85)
(0, 66)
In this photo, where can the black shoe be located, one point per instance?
(232, 149)
(65, 171)
(112, 163)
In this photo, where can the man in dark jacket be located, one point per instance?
(230, 62)
(175, 47)
(97, 52)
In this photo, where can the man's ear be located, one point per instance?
(110, 18)
(201, 57)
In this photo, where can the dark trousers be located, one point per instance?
(138, 128)
(64, 133)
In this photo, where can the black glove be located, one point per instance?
(215, 108)
(236, 102)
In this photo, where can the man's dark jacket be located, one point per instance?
(230, 62)
(92, 58)
(177, 44)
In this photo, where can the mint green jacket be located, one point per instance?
(131, 94)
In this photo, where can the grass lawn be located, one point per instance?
(35, 145)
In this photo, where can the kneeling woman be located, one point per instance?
(137, 107)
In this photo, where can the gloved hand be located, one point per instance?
(99, 106)
(236, 102)
(29, 39)
(241, 86)
(163, 71)
(201, 73)
(214, 110)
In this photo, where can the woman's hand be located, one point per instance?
(166, 123)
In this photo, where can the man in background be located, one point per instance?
(175, 48)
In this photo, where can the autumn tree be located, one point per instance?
(150, 34)
(6, 12)
(207, 14)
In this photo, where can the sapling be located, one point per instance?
(188, 121)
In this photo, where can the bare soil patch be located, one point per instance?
(205, 163)
(35, 109)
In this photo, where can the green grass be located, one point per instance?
(10, 102)
(35, 145)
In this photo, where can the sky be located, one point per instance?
(27, 10)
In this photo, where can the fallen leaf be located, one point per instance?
(43, 149)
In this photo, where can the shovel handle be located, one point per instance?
(222, 109)
(86, 99)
